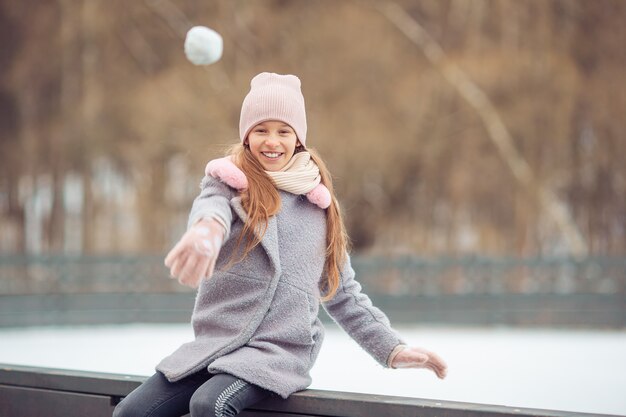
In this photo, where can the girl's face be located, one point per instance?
(272, 143)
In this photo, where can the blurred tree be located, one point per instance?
(105, 127)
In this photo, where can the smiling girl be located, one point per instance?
(267, 221)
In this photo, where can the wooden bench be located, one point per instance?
(32, 392)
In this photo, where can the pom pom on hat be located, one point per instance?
(203, 46)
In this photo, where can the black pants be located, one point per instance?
(202, 394)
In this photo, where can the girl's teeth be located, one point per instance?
(271, 154)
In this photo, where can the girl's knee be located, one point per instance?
(126, 409)
(202, 405)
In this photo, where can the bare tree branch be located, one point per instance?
(172, 15)
(139, 48)
(498, 132)
(180, 24)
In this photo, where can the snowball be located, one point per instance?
(203, 46)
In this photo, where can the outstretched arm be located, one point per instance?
(193, 257)
(370, 328)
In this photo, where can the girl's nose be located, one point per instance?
(272, 140)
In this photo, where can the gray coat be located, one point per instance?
(258, 320)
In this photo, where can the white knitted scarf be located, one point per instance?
(299, 176)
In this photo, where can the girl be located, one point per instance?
(268, 222)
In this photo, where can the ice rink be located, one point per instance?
(573, 370)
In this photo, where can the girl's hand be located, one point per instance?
(193, 258)
(415, 357)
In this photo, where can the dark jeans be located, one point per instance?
(202, 394)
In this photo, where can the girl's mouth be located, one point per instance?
(272, 155)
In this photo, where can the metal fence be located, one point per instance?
(66, 274)
(589, 292)
(479, 275)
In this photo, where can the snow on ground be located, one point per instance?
(573, 370)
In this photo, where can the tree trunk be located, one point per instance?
(91, 106)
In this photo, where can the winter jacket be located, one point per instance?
(258, 320)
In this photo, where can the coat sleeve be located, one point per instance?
(353, 311)
(213, 202)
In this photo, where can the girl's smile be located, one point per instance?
(272, 155)
(273, 143)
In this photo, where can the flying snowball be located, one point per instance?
(203, 46)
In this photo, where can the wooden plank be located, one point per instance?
(247, 413)
(33, 402)
(69, 380)
(346, 404)
(53, 384)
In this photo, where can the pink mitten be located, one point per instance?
(415, 357)
(193, 258)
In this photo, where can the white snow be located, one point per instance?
(572, 370)
(203, 45)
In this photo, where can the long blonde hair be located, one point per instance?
(262, 201)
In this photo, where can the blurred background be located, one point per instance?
(477, 149)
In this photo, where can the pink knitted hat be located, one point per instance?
(274, 97)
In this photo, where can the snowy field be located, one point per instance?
(569, 370)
